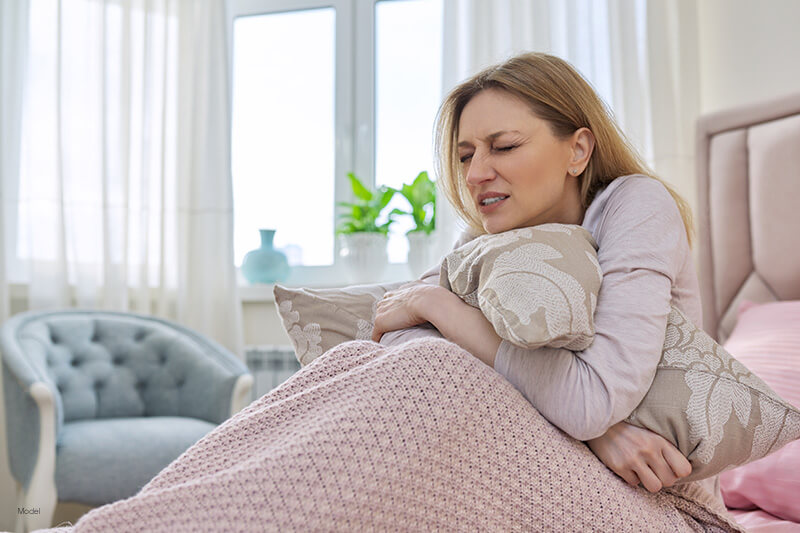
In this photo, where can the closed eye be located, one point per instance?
(505, 148)
(467, 157)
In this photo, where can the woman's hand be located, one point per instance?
(417, 302)
(639, 455)
(404, 307)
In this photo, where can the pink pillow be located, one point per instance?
(766, 339)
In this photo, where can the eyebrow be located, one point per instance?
(491, 137)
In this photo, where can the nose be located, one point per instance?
(479, 171)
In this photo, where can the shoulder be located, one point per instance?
(637, 189)
(639, 223)
(631, 201)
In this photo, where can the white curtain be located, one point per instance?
(13, 42)
(123, 197)
(640, 55)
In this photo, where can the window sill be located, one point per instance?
(257, 293)
(262, 292)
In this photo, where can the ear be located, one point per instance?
(582, 148)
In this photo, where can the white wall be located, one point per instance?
(748, 51)
(262, 325)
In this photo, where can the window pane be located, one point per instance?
(408, 86)
(283, 133)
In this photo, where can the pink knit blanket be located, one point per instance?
(417, 437)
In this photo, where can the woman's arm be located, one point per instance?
(423, 330)
(456, 321)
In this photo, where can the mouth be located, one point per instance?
(491, 201)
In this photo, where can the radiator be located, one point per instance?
(270, 366)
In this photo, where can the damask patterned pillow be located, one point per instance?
(702, 400)
(319, 319)
(537, 286)
(710, 406)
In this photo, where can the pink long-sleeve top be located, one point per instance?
(647, 266)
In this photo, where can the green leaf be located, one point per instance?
(358, 188)
(420, 192)
(386, 196)
(362, 215)
(345, 228)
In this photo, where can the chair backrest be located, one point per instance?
(109, 364)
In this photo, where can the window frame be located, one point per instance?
(354, 115)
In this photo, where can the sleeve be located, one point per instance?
(642, 243)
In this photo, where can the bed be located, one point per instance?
(748, 162)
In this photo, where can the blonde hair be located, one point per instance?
(558, 94)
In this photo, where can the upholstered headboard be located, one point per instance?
(748, 212)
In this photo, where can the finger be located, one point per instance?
(648, 478)
(376, 334)
(660, 467)
(630, 478)
(680, 466)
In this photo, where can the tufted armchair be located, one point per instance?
(98, 402)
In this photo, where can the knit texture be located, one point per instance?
(416, 437)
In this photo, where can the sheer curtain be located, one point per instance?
(13, 41)
(640, 55)
(123, 196)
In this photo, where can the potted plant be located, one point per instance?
(362, 239)
(421, 197)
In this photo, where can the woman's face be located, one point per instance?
(517, 171)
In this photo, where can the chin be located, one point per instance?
(496, 226)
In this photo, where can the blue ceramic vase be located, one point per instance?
(265, 264)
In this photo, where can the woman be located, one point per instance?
(528, 142)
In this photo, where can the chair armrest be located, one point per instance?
(32, 406)
(241, 393)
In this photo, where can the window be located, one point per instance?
(319, 89)
(408, 87)
(283, 130)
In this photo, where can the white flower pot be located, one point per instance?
(364, 256)
(421, 255)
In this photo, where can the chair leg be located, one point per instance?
(19, 526)
(38, 505)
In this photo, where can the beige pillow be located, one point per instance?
(710, 406)
(537, 286)
(702, 400)
(319, 319)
